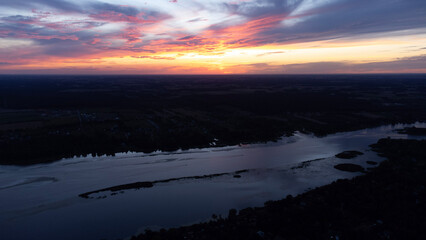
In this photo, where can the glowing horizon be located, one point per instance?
(212, 36)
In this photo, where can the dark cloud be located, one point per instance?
(346, 18)
(254, 9)
(18, 19)
(120, 13)
(337, 19)
(66, 48)
(187, 37)
(61, 5)
(25, 30)
(322, 21)
(260, 22)
(409, 64)
(127, 10)
(69, 38)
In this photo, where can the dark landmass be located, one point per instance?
(306, 163)
(349, 154)
(389, 202)
(372, 162)
(136, 185)
(413, 131)
(46, 118)
(349, 167)
(150, 184)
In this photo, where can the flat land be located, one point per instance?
(46, 118)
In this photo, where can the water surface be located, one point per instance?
(41, 201)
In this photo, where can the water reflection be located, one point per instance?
(43, 199)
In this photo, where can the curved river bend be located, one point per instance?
(42, 201)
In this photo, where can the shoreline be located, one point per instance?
(147, 114)
(196, 147)
(357, 208)
(271, 179)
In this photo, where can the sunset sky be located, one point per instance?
(212, 36)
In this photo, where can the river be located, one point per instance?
(42, 201)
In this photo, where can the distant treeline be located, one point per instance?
(46, 118)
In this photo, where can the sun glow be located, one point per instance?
(190, 37)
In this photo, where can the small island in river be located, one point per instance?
(191, 137)
(389, 202)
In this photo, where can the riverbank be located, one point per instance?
(104, 115)
(187, 186)
(389, 202)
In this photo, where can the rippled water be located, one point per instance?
(42, 202)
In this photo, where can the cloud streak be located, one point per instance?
(98, 29)
(403, 65)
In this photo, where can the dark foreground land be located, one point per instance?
(389, 202)
(46, 118)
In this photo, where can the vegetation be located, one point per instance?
(389, 202)
(46, 118)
